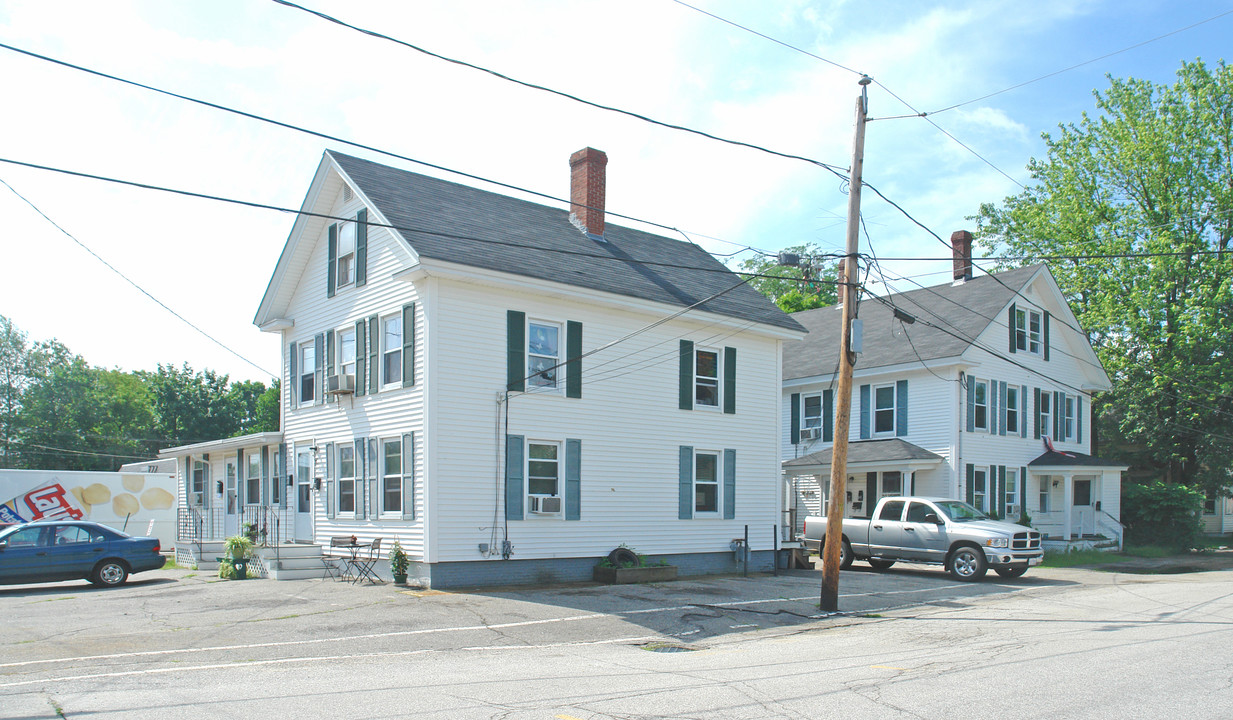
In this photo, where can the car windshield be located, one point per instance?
(960, 511)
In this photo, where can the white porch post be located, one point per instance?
(1068, 498)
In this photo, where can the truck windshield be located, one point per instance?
(960, 511)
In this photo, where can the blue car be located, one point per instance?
(51, 550)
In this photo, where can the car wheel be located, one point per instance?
(1011, 572)
(881, 565)
(967, 563)
(110, 573)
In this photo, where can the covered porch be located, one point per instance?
(1075, 500)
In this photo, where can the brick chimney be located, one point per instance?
(961, 244)
(587, 183)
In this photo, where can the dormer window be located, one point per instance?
(346, 254)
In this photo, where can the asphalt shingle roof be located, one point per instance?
(1053, 458)
(868, 451)
(475, 227)
(967, 309)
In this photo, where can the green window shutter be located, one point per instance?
(408, 345)
(685, 495)
(361, 247)
(408, 476)
(207, 492)
(971, 494)
(1001, 491)
(515, 351)
(871, 493)
(992, 395)
(361, 476)
(319, 369)
(573, 362)
(729, 380)
(1059, 404)
(293, 382)
(331, 263)
(828, 415)
(513, 477)
(901, 408)
(331, 502)
(865, 412)
(1010, 322)
(374, 478)
(1079, 418)
(729, 484)
(573, 479)
(265, 475)
(1022, 491)
(361, 357)
(794, 431)
(374, 355)
(241, 489)
(282, 474)
(1023, 411)
(329, 365)
(1001, 393)
(1045, 332)
(1036, 411)
(971, 381)
(686, 388)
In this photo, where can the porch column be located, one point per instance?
(1068, 499)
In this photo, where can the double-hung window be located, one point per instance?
(1027, 331)
(980, 489)
(391, 477)
(980, 410)
(1012, 409)
(1068, 419)
(1012, 493)
(543, 354)
(391, 349)
(346, 478)
(544, 477)
(884, 409)
(812, 417)
(198, 483)
(706, 378)
(1046, 414)
(1044, 493)
(706, 482)
(308, 377)
(252, 479)
(346, 253)
(346, 354)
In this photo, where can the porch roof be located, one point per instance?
(232, 443)
(870, 453)
(1054, 460)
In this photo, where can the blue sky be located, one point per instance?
(211, 262)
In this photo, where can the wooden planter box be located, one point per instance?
(625, 576)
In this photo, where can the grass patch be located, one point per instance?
(1078, 558)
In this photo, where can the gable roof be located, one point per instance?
(449, 222)
(965, 310)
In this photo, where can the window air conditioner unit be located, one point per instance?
(810, 433)
(542, 505)
(1012, 511)
(340, 384)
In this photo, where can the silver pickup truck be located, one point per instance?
(935, 531)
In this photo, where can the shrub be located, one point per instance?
(1162, 514)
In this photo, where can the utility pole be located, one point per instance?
(843, 393)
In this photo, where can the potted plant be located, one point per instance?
(234, 565)
(398, 563)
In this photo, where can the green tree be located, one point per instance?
(14, 377)
(1147, 184)
(193, 406)
(269, 417)
(795, 288)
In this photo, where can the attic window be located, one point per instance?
(346, 254)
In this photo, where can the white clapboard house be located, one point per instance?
(512, 390)
(979, 389)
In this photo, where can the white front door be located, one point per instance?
(303, 496)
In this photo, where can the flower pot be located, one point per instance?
(400, 579)
(241, 569)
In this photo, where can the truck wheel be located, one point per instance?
(1011, 572)
(881, 565)
(845, 555)
(966, 563)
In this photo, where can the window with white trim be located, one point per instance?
(346, 478)
(1044, 493)
(980, 489)
(391, 349)
(1012, 409)
(391, 477)
(892, 483)
(308, 376)
(346, 253)
(1027, 331)
(883, 409)
(543, 354)
(812, 415)
(1046, 414)
(1209, 505)
(1012, 492)
(252, 479)
(706, 378)
(706, 482)
(1068, 419)
(346, 353)
(543, 476)
(980, 410)
(197, 483)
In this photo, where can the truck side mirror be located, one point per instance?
(933, 518)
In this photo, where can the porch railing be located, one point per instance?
(271, 525)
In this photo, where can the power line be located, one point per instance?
(558, 93)
(130, 281)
